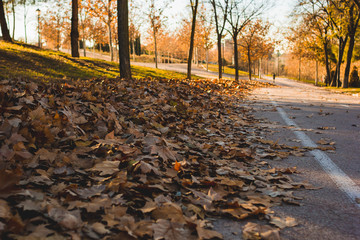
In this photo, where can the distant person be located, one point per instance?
(274, 75)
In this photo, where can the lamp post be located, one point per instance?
(39, 39)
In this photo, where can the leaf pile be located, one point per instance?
(109, 158)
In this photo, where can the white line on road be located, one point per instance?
(340, 178)
(343, 105)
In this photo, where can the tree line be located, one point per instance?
(118, 23)
(326, 31)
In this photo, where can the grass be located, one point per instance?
(345, 90)
(27, 61)
(227, 70)
(321, 84)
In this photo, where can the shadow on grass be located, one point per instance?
(26, 61)
(33, 63)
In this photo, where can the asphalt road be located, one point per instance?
(333, 212)
(300, 114)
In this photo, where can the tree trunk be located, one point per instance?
(260, 68)
(345, 83)
(236, 57)
(4, 28)
(25, 15)
(123, 36)
(13, 13)
(219, 56)
(299, 68)
(352, 31)
(84, 46)
(207, 59)
(156, 56)
(110, 42)
(75, 29)
(133, 48)
(316, 72)
(249, 62)
(327, 64)
(336, 78)
(192, 35)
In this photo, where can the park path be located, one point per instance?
(300, 114)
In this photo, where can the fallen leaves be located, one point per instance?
(108, 158)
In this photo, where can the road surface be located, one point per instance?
(333, 212)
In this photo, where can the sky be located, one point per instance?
(278, 15)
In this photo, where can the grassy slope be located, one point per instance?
(19, 60)
(227, 70)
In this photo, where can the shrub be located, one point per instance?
(354, 78)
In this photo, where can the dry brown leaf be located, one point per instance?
(164, 229)
(253, 231)
(169, 211)
(69, 220)
(283, 223)
(106, 167)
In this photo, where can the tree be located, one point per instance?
(74, 28)
(205, 31)
(354, 18)
(84, 26)
(4, 28)
(55, 25)
(104, 10)
(220, 9)
(254, 41)
(123, 36)
(239, 15)
(194, 6)
(314, 17)
(135, 22)
(156, 16)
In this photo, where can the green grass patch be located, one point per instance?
(345, 90)
(321, 84)
(227, 70)
(27, 61)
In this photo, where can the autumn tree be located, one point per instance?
(220, 9)
(354, 18)
(254, 42)
(105, 11)
(205, 32)
(54, 23)
(155, 14)
(194, 7)
(314, 17)
(84, 26)
(135, 22)
(74, 28)
(239, 15)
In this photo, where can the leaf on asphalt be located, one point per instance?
(283, 223)
(256, 231)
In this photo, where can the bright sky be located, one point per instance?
(278, 15)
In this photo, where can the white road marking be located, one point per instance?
(340, 178)
(343, 105)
